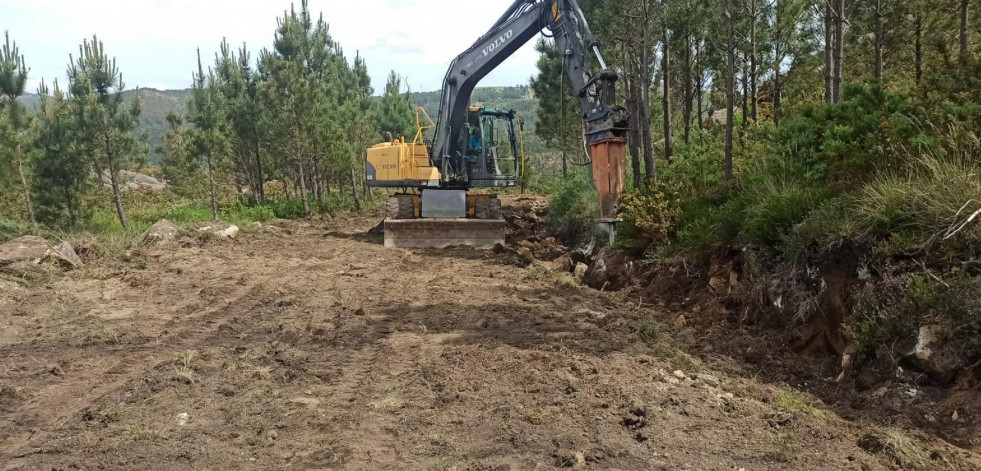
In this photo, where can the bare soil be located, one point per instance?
(310, 346)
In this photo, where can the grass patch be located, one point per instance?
(798, 404)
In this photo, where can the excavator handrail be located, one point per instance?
(419, 127)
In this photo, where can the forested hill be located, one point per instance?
(519, 98)
(156, 105)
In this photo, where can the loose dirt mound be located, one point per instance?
(312, 347)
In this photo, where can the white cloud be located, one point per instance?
(154, 41)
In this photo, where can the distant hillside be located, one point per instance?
(156, 105)
(519, 98)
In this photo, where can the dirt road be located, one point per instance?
(309, 346)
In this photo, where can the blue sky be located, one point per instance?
(154, 41)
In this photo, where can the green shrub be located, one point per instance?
(571, 209)
(773, 209)
(650, 217)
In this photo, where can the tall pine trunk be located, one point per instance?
(829, 45)
(666, 96)
(117, 197)
(647, 140)
(918, 48)
(745, 91)
(839, 51)
(354, 190)
(700, 74)
(965, 53)
(730, 85)
(23, 181)
(778, 59)
(303, 192)
(877, 45)
(633, 133)
(211, 186)
(686, 110)
(260, 177)
(754, 105)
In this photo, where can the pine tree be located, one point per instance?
(396, 113)
(209, 139)
(559, 124)
(238, 85)
(60, 177)
(292, 94)
(13, 80)
(181, 170)
(107, 128)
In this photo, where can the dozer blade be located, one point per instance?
(439, 233)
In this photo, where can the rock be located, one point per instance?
(132, 181)
(18, 255)
(708, 379)
(933, 356)
(679, 374)
(182, 418)
(717, 283)
(524, 253)
(580, 270)
(221, 230)
(161, 231)
(611, 270)
(68, 252)
(563, 264)
(594, 316)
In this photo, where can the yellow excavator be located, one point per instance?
(478, 147)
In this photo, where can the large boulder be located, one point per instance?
(935, 353)
(19, 255)
(162, 231)
(132, 181)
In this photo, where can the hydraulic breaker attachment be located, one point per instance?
(609, 176)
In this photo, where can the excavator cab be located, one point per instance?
(491, 141)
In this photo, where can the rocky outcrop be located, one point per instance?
(18, 256)
(132, 181)
(162, 231)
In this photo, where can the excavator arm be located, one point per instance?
(605, 123)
